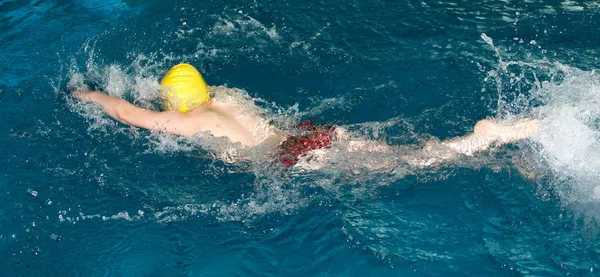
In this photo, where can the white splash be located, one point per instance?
(567, 101)
(570, 135)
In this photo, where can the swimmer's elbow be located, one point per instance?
(127, 116)
(122, 116)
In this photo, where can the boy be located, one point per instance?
(189, 109)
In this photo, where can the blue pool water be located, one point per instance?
(84, 196)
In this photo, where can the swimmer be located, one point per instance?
(190, 109)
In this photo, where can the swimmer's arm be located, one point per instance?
(173, 122)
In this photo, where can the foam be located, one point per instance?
(566, 99)
(240, 24)
(66, 216)
(570, 138)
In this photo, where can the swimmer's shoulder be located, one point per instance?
(224, 94)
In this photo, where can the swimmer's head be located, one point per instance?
(184, 88)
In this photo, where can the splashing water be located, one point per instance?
(570, 137)
(564, 97)
(567, 101)
(273, 192)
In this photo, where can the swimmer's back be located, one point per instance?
(224, 119)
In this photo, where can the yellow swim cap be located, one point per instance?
(185, 89)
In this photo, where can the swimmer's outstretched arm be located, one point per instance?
(173, 122)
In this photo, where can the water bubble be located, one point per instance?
(32, 192)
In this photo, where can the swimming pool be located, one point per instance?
(84, 196)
